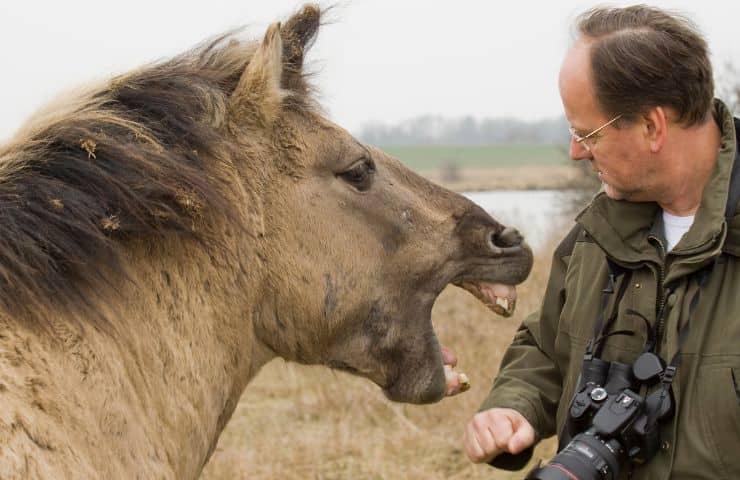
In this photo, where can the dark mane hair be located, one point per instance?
(138, 157)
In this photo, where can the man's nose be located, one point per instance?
(578, 151)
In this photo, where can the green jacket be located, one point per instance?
(540, 369)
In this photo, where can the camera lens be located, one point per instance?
(586, 457)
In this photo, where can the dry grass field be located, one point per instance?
(299, 422)
(496, 167)
(527, 177)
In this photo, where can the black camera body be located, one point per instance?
(616, 423)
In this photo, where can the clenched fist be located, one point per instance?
(495, 431)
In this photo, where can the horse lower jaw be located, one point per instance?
(418, 387)
(431, 394)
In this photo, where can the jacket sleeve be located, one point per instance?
(529, 380)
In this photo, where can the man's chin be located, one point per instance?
(612, 192)
(629, 196)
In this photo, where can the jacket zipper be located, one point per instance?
(660, 301)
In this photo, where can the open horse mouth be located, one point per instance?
(432, 383)
(492, 283)
(488, 261)
(501, 299)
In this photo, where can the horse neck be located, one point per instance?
(193, 346)
(154, 396)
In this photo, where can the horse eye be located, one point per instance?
(360, 175)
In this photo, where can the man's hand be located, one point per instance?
(495, 431)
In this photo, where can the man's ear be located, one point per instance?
(656, 125)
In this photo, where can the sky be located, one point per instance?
(376, 61)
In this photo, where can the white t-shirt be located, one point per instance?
(675, 227)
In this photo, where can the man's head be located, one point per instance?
(644, 70)
(642, 57)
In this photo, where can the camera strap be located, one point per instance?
(669, 373)
(596, 344)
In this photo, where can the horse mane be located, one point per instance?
(143, 156)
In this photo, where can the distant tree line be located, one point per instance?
(438, 130)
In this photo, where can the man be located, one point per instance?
(662, 239)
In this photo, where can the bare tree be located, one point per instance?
(728, 86)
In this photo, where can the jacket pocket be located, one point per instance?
(719, 402)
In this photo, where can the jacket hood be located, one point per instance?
(732, 243)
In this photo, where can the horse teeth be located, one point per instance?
(464, 382)
(503, 303)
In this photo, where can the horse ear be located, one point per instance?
(258, 95)
(276, 68)
(298, 34)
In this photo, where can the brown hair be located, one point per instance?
(643, 57)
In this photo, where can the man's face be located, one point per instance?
(621, 157)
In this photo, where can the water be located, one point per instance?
(542, 216)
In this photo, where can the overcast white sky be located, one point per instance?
(381, 60)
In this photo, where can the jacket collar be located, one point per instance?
(627, 231)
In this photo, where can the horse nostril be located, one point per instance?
(508, 237)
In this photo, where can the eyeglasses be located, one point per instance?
(584, 140)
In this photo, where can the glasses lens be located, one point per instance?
(579, 139)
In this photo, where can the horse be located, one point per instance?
(166, 233)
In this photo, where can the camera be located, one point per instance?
(616, 423)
